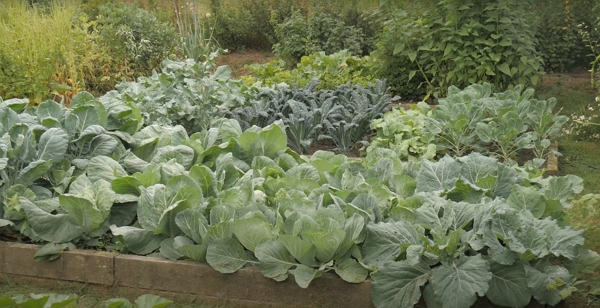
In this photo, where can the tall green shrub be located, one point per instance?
(558, 30)
(135, 36)
(464, 42)
(301, 35)
(242, 23)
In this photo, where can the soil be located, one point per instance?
(572, 75)
(238, 59)
(579, 80)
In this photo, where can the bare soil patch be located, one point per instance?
(238, 59)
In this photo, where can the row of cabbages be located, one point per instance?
(93, 175)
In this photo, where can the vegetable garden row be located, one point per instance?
(158, 167)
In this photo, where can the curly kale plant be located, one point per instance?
(343, 115)
(349, 128)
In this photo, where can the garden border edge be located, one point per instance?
(134, 275)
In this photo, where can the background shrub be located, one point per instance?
(242, 23)
(33, 63)
(253, 24)
(396, 70)
(134, 35)
(301, 35)
(465, 42)
(292, 35)
(558, 30)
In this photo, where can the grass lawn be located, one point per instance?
(582, 158)
(574, 94)
(87, 297)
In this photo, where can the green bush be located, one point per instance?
(466, 42)
(397, 69)
(354, 13)
(331, 71)
(298, 36)
(242, 23)
(253, 23)
(558, 29)
(292, 36)
(133, 35)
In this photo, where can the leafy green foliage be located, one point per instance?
(134, 35)
(558, 27)
(474, 119)
(184, 93)
(303, 110)
(46, 152)
(360, 107)
(298, 36)
(468, 42)
(342, 115)
(403, 131)
(458, 227)
(330, 70)
(474, 248)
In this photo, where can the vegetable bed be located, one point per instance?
(131, 276)
(452, 230)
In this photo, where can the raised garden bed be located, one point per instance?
(134, 275)
(131, 276)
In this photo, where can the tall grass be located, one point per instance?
(41, 47)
